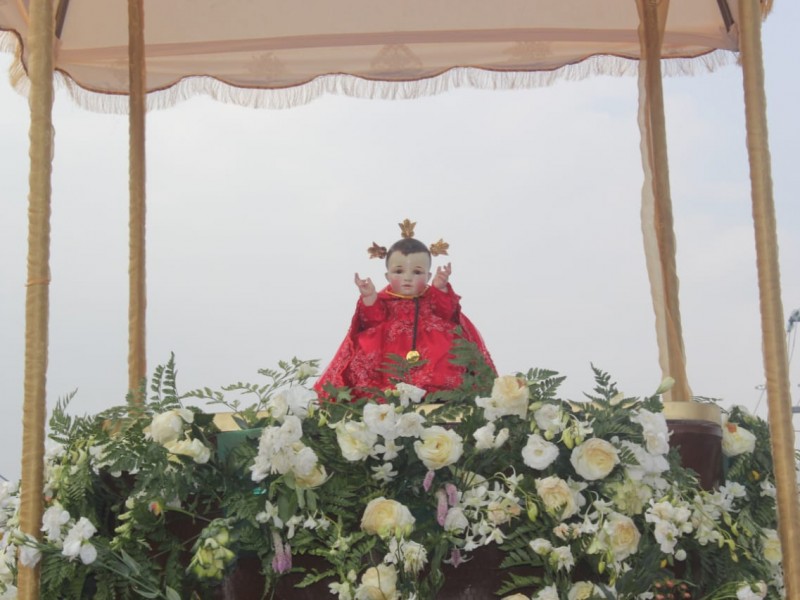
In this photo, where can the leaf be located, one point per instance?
(171, 594)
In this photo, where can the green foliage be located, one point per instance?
(177, 503)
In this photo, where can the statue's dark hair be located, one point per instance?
(407, 246)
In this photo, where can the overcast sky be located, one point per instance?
(257, 221)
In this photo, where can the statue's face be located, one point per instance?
(408, 274)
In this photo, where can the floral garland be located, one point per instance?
(583, 500)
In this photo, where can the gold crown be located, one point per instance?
(407, 231)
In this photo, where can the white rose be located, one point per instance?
(509, 397)
(314, 478)
(654, 428)
(168, 426)
(193, 448)
(541, 546)
(378, 583)
(355, 440)
(581, 590)
(621, 536)
(594, 459)
(439, 447)
(515, 597)
(746, 592)
(538, 453)
(772, 546)
(385, 517)
(736, 440)
(557, 497)
(549, 418)
(547, 593)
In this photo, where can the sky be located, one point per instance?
(258, 219)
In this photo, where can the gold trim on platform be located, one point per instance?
(692, 411)
(224, 421)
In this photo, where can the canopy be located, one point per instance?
(291, 51)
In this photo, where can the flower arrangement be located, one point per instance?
(385, 497)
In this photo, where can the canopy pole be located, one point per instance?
(137, 352)
(657, 222)
(37, 297)
(776, 363)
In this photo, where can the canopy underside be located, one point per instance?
(280, 53)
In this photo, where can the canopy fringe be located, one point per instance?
(356, 87)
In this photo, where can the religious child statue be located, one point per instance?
(408, 319)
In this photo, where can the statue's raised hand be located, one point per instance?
(367, 290)
(442, 277)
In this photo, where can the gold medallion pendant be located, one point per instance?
(412, 356)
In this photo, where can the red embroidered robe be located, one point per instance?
(388, 327)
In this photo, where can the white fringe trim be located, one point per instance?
(356, 87)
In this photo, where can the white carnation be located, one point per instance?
(381, 419)
(538, 453)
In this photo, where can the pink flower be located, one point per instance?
(441, 507)
(428, 481)
(455, 558)
(452, 494)
(282, 561)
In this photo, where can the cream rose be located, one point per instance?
(378, 583)
(439, 447)
(193, 448)
(516, 597)
(509, 397)
(736, 440)
(581, 590)
(386, 517)
(594, 459)
(168, 426)
(557, 497)
(621, 536)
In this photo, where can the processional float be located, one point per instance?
(114, 56)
